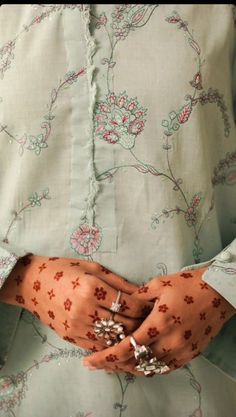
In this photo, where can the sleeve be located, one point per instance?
(9, 314)
(221, 272)
(221, 275)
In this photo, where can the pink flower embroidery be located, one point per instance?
(86, 239)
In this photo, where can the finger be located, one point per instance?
(130, 324)
(110, 356)
(131, 306)
(115, 280)
(84, 343)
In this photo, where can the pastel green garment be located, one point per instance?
(118, 145)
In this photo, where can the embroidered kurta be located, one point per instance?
(118, 145)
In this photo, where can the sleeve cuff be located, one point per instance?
(221, 272)
(7, 262)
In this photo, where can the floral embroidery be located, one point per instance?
(42, 267)
(86, 239)
(34, 201)
(119, 119)
(34, 301)
(177, 320)
(7, 263)
(38, 142)
(91, 336)
(66, 325)
(225, 171)
(7, 50)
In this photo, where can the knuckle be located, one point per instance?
(95, 267)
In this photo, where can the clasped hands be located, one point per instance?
(176, 315)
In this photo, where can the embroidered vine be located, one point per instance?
(39, 141)
(8, 49)
(33, 201)
(119, 120)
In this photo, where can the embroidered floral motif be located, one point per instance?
(39, 141)
(86, 239)
(225, 171)
(34, 201)
(7, 263)
(119, 119)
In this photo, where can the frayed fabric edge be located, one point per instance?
(94, 185)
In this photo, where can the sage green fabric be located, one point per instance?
(117, 145)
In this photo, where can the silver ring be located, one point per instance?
(110, 330)
(147, 363)
(115, 307)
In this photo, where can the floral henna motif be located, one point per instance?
(222, 314)
(143, 289)
(188, 299)
(166, 283)
(152, 332)
(36, 315)
(51, 294)
(208, 330)
(18, 280)
(163, 308)
(37, 285)
(69, 339)
(187, 334)
(51, 314)
(204, 286)
(111, 358)
(58, 275)
(94, 316)
(75, 263)
(103, 269)
(186, 275)
(34, 301)
(66, 325)
(68, 304)
(100, 293)
(20, 299)
(124, 306)
(75, 283)
(42, 267)
(91, 336)
(202, 316)
(216, 302)
(177, 320)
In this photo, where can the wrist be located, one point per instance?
(17, 287)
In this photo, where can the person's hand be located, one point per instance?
(187, 315)
(69, 295)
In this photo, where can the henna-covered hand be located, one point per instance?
(186, 316)
(69, 295)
